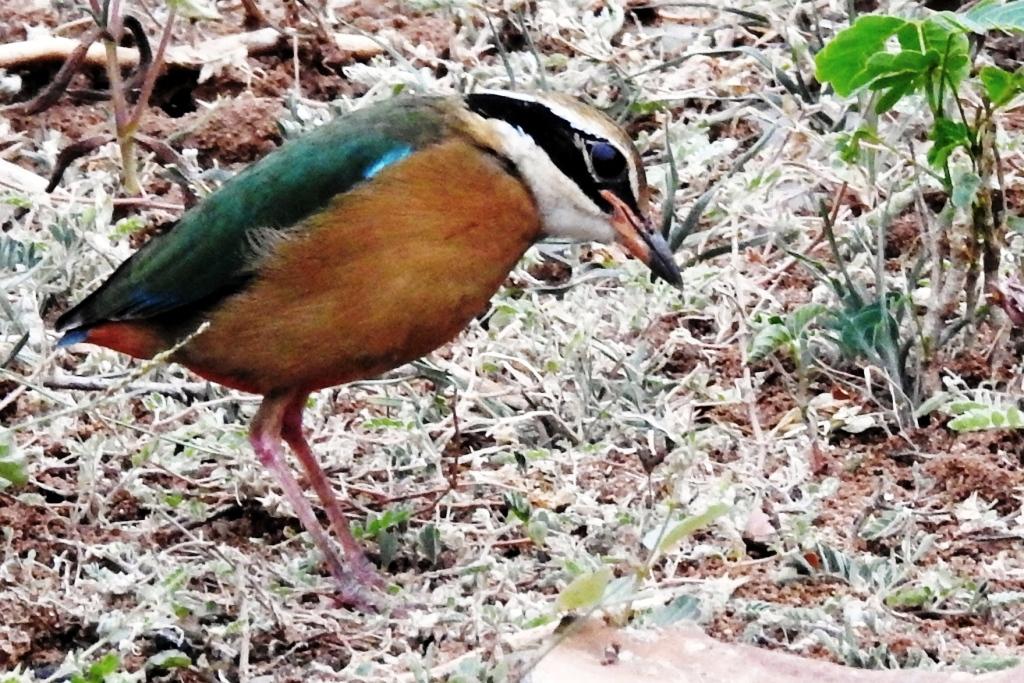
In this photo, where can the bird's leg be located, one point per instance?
(265, 436)
(291, 431)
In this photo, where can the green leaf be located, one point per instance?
(933, 50)
(849, 145)
(1000, 84)
(195, 9)
(129, 226)
(683, 608)
(14, 253)
(17, 201)
(1013, 418)
(978, 417)
(169, 659)
(384, 423)
(691, 525)
(944, 37)
(378, 524)
(907, 63)
(798, 320)
(387, 547)
(970, 422)
(585, 590)
(961, 407)
(12, 467)
(991, 15)
(896, 80)
(518, 506)
(13, 472)
(429, 541)
(98, 671)
(946, 135)
(176, 580)
(894, 94)
(842, 62)
(912, 597)
(767, 341)
(865, 332)
(647, 107)
(965, 188)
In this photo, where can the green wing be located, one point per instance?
(212, 252)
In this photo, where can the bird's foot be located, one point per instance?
(360, 586)
(363, 588)
(353, 591)
(358, 598)
(365, 573)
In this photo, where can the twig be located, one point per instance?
(758, 19)
(109, 391)
(668, 202)
(254, 16)
(43, 50)
(20, 179)
(829, 221)
(186, 390)
(502, 52)
(125, 142)
(75, 150)
(533, 50)
(152, 71)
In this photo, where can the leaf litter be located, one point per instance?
(608, 445)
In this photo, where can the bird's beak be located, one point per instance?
(639, 238)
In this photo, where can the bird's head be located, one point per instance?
(581, 168)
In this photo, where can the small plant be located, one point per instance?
(99, 671)
(12, 466)
(384, 528)
(975, 410)
(885, 61)
(791, 334)
(129, 97)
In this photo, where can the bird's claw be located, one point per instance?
(360, 587)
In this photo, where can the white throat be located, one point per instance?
(565, 210)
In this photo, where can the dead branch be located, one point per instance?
(187, 391)
(20, 179)
(74, 151)
(55, 49)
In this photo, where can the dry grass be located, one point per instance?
(513, 460)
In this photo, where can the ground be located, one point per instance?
(572, 426)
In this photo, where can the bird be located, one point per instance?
(363, 245)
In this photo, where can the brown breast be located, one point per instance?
(387, 273)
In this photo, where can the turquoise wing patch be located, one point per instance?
(392, 156)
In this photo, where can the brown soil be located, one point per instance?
(955, 472)
(239, 125)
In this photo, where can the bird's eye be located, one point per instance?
(607, 162)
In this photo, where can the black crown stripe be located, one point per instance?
(557, 137)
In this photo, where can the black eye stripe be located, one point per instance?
(569, 148)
